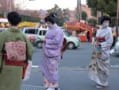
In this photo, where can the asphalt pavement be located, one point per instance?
(73, 71)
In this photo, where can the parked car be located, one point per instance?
(2, 29)
(30, 33)
(39, 35)
(72, 41)
(116, 47)
(35, 35)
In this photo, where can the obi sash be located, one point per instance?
(23, 64)
(100, 39)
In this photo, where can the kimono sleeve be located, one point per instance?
(2, 41)
(109, 40)
(29, 49)
(55, 41)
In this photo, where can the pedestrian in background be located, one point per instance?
(114, 37)
(52, 46)
(88, 36)
(99, 68)
(12, 67)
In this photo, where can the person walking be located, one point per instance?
(99, 67)
(15, 51)
(52, 46)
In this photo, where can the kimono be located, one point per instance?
(99, 67)
(11, 76)
(52, 53)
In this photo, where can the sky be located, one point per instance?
(47, 4)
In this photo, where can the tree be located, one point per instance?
(30, 18)
(62, 15)
(111, 8)
(92, 22)
(66, 14)
(104, 6)
(83, 15)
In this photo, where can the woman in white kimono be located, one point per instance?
(52, 46)
(99, 67)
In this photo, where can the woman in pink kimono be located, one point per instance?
(99, 68)
(52, 53)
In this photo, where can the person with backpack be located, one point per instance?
(15, 54)
(52, 53)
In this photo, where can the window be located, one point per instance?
(67, 33)
(44, 32)
(31, 31)
(40, 33)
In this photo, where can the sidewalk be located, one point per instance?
(71, 79)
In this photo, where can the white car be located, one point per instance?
(35, 35)
(3, 29)
(116, 47)
(72, 41)
(39, 35)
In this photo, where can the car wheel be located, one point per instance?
(71, 45)
(39, 44)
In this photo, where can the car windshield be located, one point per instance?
(67, 33)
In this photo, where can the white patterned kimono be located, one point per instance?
(99, 67)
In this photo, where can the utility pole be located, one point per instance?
(10, 5)
(117, 21)
(79, 11)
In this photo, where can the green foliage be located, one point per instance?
(84, 15)
(111, 8)
(29, 18)
(93, 12)
(92, 22)
(92, 3)
(62, 15)
(105, 6)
